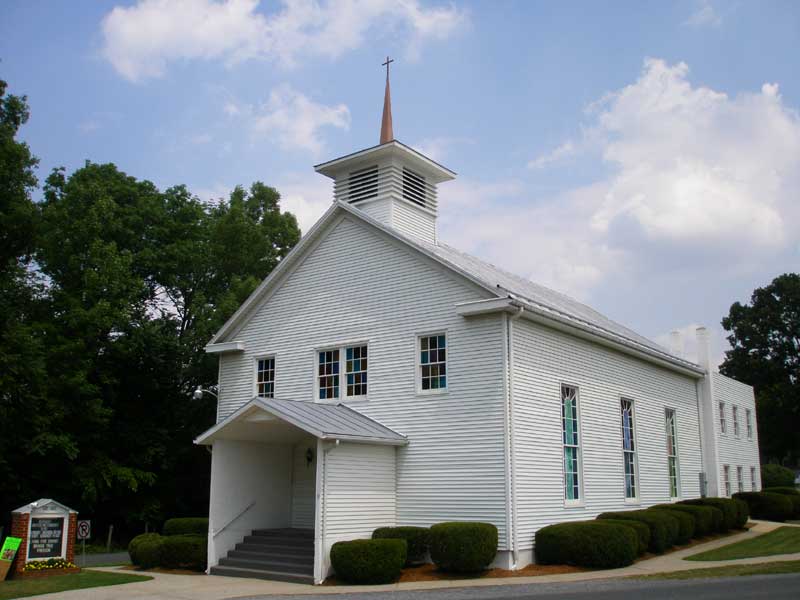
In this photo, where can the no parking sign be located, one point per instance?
(84, 530)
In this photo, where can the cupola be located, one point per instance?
(391, 182)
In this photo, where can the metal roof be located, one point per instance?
(325, 421)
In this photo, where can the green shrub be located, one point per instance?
(776, 476)
(185, 551)
(147, 539)
(768, 506)
(184, 525)
(369, 561)
(729, 508)
(463, 547)
(417, 538)
(596, 544)
(641, 529)
(685, 525)
(743, 513)
(149, 552)
(702, 515)
(717, 518)
(792, 494)
(663, 528)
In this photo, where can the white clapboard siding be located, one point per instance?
(359, 285)
(732, 450)
(412, 220)
(380, 209)
(303, 486)
(543, 359)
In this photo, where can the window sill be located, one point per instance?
(443, 392)
(345, 400)
(574, 504)
(633, 501)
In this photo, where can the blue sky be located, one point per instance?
(642, 156)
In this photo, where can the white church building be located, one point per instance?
(380, 377)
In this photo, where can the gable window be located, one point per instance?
(748, 417)
(735, 414)
(740, 479)
(672, 453)
(726, 473)
(753, 478)
(331, 363)
(571, 439)
(723, 426)
(265, 377)
(433, 362)
(629, 448)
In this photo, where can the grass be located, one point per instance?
(20, 588)
(784, 540)
(773, 568)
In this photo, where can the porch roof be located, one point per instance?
(324, 421)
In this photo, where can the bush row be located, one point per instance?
(794, 497)
(768, 505)
(186, 525)
(776, 476)
(457, 547)
(604, 544)
(183, 551)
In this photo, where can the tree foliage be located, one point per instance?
(109, 291)
(765, 353)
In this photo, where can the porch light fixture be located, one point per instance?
(199, 390)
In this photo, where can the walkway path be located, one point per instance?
(201, 587)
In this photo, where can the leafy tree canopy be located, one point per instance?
(765, 353)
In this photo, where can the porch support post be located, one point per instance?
(320, 563)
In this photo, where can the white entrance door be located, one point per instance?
(303, 483)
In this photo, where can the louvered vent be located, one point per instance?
(414, 189)
(363, 184)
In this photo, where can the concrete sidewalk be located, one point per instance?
(201, 587)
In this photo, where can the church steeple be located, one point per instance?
(387, 135)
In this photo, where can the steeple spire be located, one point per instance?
(387, 135)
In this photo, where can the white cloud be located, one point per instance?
(704, 15)
(563, 151)
(140, 41)
(437, 148)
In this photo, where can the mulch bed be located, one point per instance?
(45, 573)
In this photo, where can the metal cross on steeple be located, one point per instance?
(387, 135)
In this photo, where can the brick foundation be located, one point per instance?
(19, 529)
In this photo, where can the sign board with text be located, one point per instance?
(46, 537)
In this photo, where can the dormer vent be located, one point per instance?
(362, 184)
(414, 189)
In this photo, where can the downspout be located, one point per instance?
(510, 487)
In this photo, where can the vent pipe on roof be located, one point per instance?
(704, 348)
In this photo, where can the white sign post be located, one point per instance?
(84, 532)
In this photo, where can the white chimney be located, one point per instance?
(704, 348)
(676, 343)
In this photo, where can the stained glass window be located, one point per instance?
(740, 479)
(726, 472)
(723, 425)
(265, 377)
(328, 374)
(748, 416)
(672, 453)
(571, 440)
(628, 447)
(735, 414)
(356, 370)
(433, 362)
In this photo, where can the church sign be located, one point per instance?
(46, 538)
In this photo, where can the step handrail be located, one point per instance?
(216, 532)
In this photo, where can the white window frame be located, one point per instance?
(723, 424)
(748, 416)
(580, 500)
(418, 362)
(726, 479)
(735, 419)
(676, 455)
(740, 478)
(637, 480)
(753, 479)
(256, 360)
(342, 348)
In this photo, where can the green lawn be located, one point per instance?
(784, 540)
(19, 588)
(789, 566)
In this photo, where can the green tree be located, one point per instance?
(765, 353)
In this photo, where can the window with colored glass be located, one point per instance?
(748, 417)
(356, 370)
(571, 440)
(726, 475)
(433, 362)
(265, 377)
(735, 416)
(328, 374)
(629, 448)
(723, 425)
(740, 478)
(672, 453)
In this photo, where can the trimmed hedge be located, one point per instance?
(595, 544)
(369, 561)
(663, 527)
(792, 494)
(641, 529)
(702, 515)
(186, 525)
(186, 551)
(743, 514)
(463, 547)
(151, 544)
(765, 505)
(776, 476)
(685, 525)
(729, 508)
(417, 538)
